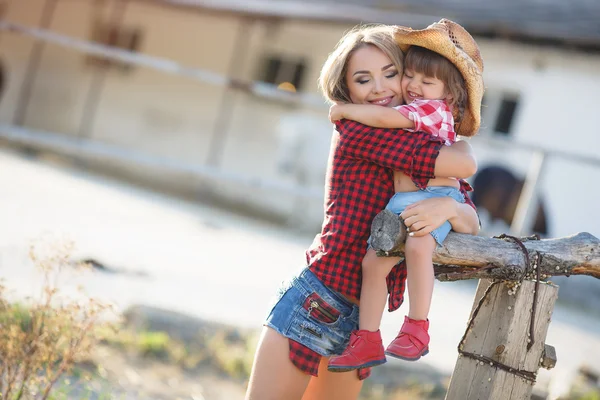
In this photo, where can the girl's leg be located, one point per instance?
(419, 251)
(273, 375)
(374, 291)
(333, 385)
(365, 348)
(413, 340)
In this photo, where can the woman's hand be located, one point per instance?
(427, 215)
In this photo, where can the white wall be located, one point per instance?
(558, 102)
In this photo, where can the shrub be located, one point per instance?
(42, 338)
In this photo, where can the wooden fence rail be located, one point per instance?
(504, 342)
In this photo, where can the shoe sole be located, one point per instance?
(342, 368)
(407, 358)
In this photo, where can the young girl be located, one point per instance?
(440, 98)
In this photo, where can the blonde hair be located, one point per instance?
(332, 81)
(430, 63)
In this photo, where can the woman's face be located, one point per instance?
(372, 78)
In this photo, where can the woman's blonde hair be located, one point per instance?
(332, 81)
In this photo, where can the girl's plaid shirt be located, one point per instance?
(359, 183)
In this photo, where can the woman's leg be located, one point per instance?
(365, 348)
(273, 376)
(419, 265)
(332, 385)
(374, 291)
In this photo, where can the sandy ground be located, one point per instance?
(208, 262)
(133, 378)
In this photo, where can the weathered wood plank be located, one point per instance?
(475, 257)
(500, 334)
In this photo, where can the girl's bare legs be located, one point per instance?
(374, 291)
(419, 264)
(332, 385)
(273, 375)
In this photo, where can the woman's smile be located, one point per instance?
(382, 101)
(373, 78)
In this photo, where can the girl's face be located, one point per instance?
(417, 86)
(372, 78)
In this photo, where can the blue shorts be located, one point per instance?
(400, 200)
(311, 314)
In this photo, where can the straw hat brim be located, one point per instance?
(437, 38)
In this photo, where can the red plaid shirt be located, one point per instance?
(359, 183)
(431, 116)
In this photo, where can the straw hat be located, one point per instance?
(452, 41)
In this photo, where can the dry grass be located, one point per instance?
(43, 337)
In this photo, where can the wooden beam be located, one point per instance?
(504, 366)
(473, 257)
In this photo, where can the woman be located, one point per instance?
(316, 311)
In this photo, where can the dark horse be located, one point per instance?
(497, 190)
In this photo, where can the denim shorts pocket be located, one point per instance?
(311, 329)
(319, 310)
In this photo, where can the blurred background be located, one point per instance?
(182, 145)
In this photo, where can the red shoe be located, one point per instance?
(412, 342)
(365, 350)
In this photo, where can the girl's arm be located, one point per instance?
(372, 115)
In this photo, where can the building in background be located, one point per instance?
(219, 134)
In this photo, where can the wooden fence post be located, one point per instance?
(494, 362)
(502, 349)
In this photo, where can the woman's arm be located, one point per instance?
(372, 115)
(426, 215)
(457, 161)
(414, 154)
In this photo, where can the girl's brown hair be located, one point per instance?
(430, 63)
(332, 81)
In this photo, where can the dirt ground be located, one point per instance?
(127, 376)
(201, 360)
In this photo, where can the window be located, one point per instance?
(505, 116)
(287, 74)
(122, 37)
(498, 111)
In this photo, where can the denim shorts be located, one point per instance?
(400, 200)
(311, 314)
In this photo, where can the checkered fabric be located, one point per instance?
(307, 360)
(359, 183)
(431, 116)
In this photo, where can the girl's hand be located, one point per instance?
(335, 112)
(424, 216)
